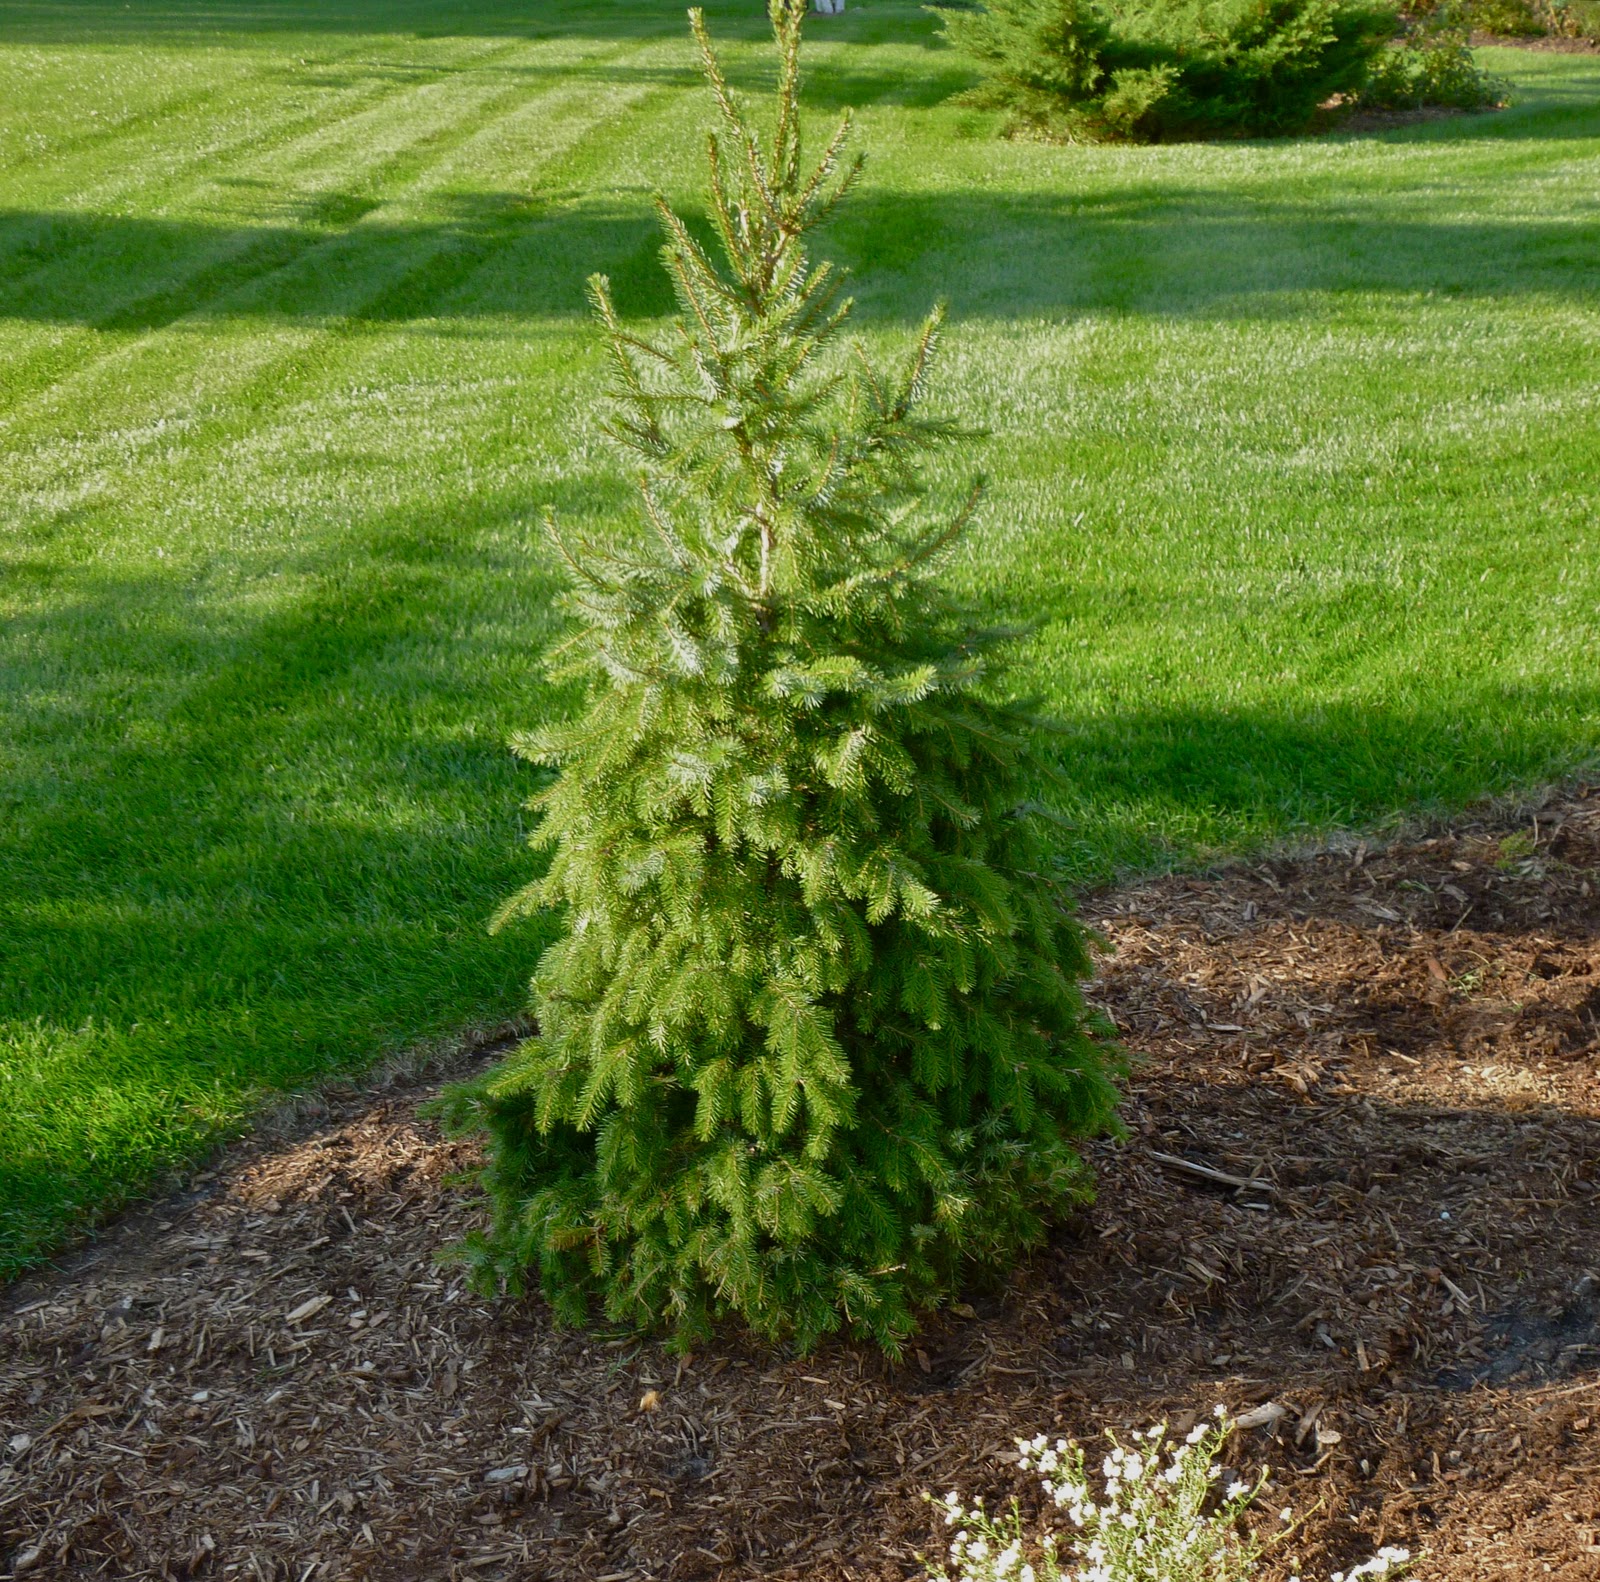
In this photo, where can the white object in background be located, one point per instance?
(828, 7)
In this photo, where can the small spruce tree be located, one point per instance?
(811, 1049)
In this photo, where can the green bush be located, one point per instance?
(1506, 18)
(1581, 18)
(1434, 66)
(1150, 70)
(1532, 18)
(1509, 18)
(812, 1048)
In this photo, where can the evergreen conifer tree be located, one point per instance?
(1149, 70)
(811, 1048)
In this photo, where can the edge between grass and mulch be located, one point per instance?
(293, 1113)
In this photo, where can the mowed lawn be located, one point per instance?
(1295, 450)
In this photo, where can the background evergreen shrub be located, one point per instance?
(1149, 70)
(812, 1047)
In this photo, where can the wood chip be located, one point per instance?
(1263, 1416)
(1209, 1173)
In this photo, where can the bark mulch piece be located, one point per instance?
(1361, 1189)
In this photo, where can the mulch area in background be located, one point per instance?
(1542, 43)
(1337, 118)
(1361, 1190)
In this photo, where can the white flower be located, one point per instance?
(1286, 1515)
(1195, 1434)
(1381, 1563)
(1219, 1410)
(1236, 1488)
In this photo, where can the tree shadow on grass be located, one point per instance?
(102, 23)
(110, 23)
(1170, 252)
(494, 253)
(243, 847)
(1181, 252)
(1145, 787)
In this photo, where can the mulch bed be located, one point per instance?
(1361, 1189)
(1339, 120)
(1545, 43)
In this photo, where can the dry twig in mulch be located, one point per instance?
(1361, 1190)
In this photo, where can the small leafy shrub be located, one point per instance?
(1152, 70)
(1434, 66)
(1510, 18)
(1152, 1519)
(812, 1046)
(1573, 18)
(1531, 18)
(1505, 18)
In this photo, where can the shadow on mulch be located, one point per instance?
(1361, 1190)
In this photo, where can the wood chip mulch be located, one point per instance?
(1539, 43)
(1360, 1198)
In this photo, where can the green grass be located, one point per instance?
(1295, 449)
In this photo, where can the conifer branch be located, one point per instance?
(936, 543)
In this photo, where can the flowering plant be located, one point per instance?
(1161, 1515)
